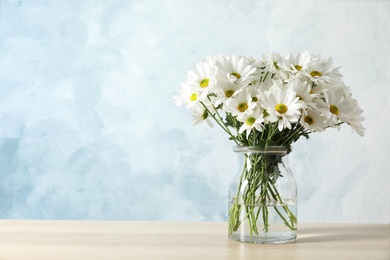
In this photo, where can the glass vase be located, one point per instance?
(262, 197)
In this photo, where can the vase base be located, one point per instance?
(265, 238)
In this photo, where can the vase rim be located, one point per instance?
(259, 149)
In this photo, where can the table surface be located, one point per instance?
(42, 239)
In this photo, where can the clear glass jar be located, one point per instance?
(262, 197)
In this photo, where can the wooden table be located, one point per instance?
(92, 240)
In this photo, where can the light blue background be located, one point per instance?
(89, 128)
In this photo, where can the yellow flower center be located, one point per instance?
(242, 107)
(229, 93)
(204, 83)
(334, 110)
(297, 67)
(194, 97)
(255, 99)
(235, 74)
(250, 120)
(281, 108)
(315, 73)
(276, 65)
(309, 120)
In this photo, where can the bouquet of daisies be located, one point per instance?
(272, 101)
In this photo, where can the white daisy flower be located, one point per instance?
(321, 70)
(255, 120)
(356, 120)
(200, 114)
(272, 62)
(237, 70)
(294, 64)
(255, 92)
(188, 96)
(241, 103)
(203, 76)
(223, 92)
(313, 121)
(281, 105)
(302, 90)
(355, 117)
(337, 108)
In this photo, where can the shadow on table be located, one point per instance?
(344, 233)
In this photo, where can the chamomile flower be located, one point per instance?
(223, 92)
(355, 117)
(336, 108)
(321, 70)
(203, 76)
(313, 121)
(302, 90)
(188, 96)
(356, 120)
(272, 62)
(296, 64)
(255, 92)
(241, 103)
(281, 105)
(200, 115)
(254, 120)
(237, 70)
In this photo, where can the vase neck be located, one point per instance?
(281, 150)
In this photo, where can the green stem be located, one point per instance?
(220, 122)
(236, 209)
(299, 129)
(283, 218)
(275, 195)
